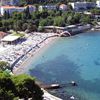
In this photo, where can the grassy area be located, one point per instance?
(18, 34)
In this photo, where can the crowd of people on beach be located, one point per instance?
(16, 54)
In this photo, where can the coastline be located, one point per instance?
(33, 55)
(44, 46)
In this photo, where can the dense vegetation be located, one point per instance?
(4, 65)
(25, 2)
(15, 87)
(21, 86)
(20, 21)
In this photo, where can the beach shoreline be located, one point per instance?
(20, 70)
(33, 55)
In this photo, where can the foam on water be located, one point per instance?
(73, 58)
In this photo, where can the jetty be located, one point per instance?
(57, 86)
(51, 86)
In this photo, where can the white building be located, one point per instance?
(82, 5)
(98, 3)
(47, 7)
(9, 2)
(12, 9)
(6, 2)
(63, 7)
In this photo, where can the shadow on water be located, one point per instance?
(62, 70)
(97, 62)
(59, 69)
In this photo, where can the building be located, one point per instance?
(9, 2)
(47, 7)
(63, 7)
(12, 9)
(11, 39)
(79, 6)
(6, 2)
(98, 3)
(55, 29)
(2, 34)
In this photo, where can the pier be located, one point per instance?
(57, 86)
(51, 86)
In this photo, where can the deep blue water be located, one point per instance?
(72, 58)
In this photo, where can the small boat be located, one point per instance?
(55, 85)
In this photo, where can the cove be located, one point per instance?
(73, 58)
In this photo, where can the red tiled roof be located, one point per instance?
(2, 34)
(9, 7)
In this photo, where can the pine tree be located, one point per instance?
(6, 15)
(26, 14)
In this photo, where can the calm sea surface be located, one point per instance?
(72, 58)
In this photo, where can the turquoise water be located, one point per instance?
(72, 58)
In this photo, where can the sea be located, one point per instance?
(75, 58)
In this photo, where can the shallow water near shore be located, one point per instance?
(72, 58)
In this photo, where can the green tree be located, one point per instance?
(5, 25)
(6, 95)
(71, 18)
(85, 20)
(31, 27)
(90, 0)
(21, 86)
(46, 22)
(95, 11)
(26, 13)
(22, 3)
(6, 15)
(4, 65)
(50, 20)
(58, 13)
(18, 25)
(76, 18)
(17, 15)
(51, 13)
(24, 26)
(26, 87)
(59, 21)
(43, 22)
(44, 14)
(7, 87)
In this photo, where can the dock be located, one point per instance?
(52, 86)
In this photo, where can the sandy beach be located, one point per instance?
(34, 54)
